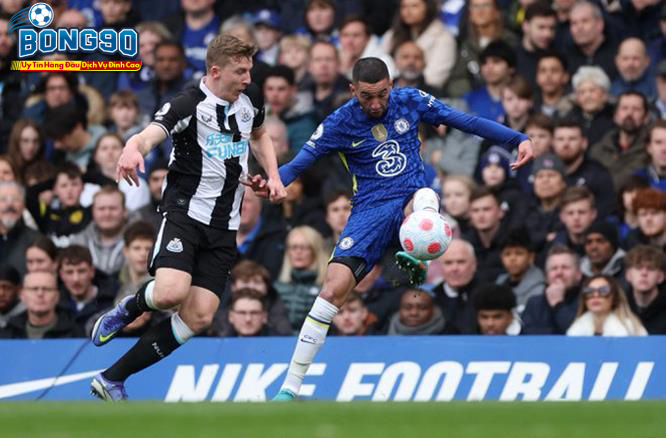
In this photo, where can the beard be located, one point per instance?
(410, 74)
(629, 126)
(8, 222)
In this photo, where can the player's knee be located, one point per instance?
(425, 198)
(169, 293)
(333, 295)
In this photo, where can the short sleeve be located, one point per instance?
(176, 112)
(257, 100)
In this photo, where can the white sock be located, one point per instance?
(310, 340)
(426, 198)
(148, 295)
(180, 330)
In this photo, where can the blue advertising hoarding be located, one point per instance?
(436, 368)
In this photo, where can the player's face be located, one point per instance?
(230, 80)
(577, 216)
(351, 318)
(373, 98)
(77, 278)
(494, 322)
(416, 308)
(247, 317)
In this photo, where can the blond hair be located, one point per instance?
(225, 47)
(316, 244)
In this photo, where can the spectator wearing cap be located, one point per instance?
(496, 175)
(570, 145)
(15, 236)
(358, 41)
(553, 311)
(622, 149)
(660, 101)
(295, 109)
(577, 212)
(647, 294)
(542, 221)
(194, 28)
(418, 315)
(10, 285)
(494, 305)
(497, 64)
(522, 276)
(603, 255)
(267, 31)
(538, 36)
(633, 66)
(592, 109)
(149, 212)
(42, 319)
(592, 45)
(655, 171)
(650, 208)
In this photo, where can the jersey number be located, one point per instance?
(392, 162)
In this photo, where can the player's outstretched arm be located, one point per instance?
(264, 152)
(136, 148)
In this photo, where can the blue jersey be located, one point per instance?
(383, 154)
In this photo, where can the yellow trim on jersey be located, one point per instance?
(354, 182)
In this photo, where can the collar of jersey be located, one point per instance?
(232, 107)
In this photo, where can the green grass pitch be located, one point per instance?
(330, 420)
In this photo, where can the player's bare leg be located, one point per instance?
(423, 199)
(338, 283)
(171, 287)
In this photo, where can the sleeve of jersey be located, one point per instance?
(257, 99)
(436, 113)
(173, 112)
(322, 142)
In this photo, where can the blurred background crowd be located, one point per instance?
(572, 244)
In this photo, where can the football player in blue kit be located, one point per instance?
(376, 136)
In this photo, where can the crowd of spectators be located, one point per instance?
(572, 244)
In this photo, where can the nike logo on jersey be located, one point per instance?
(357, 143)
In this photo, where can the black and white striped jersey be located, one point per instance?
(210, 140)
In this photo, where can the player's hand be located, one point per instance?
(276, 191)
(258, 185)
(128, 162)
(525, 154)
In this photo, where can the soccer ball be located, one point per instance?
(41, 15)
(425, 234)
